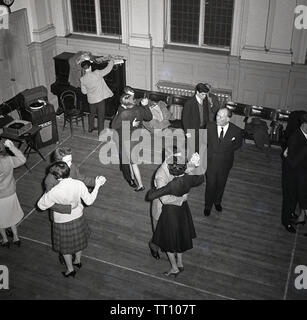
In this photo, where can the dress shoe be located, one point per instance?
(17, 243)
(5, 244)
(70, 274)
(154, 253)
(171, 273)
(218, 207)
(90, 130)
(290, 228)
(78, 265)
(139, 189)
(207, 212)
(132, 184)
(181, 269)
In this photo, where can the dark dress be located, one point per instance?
(175, 229)
(140, 113)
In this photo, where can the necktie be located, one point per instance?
(221, 134)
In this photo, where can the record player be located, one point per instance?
(17, 127)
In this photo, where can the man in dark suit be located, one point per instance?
(224, 138)
(294, 180)
(199, 110)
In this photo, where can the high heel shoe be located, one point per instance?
(181, 269)
(78, 265)
(171, 273)
(5, 244)
(139, 189)
(17, 243)
(70, 274)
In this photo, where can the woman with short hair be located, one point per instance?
(70, 231)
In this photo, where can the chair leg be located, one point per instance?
(71, 127)
(82, 120)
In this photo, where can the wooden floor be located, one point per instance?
(243, 253)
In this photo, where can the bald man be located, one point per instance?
(224, 138)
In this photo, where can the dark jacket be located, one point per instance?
(140, 113)
(177, 187)
(221, 154)
(297, 151)
(190, 113)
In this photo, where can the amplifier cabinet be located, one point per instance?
(45, 118)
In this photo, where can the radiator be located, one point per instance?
(187, 90)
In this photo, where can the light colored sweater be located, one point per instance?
(68, 192)
(7, 165)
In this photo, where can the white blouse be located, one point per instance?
(68, 192)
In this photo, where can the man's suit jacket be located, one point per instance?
(221, 154)
(94, 85)
(295, 171)
(190, 113)
(297, 151)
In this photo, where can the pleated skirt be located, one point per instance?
(175, 229)
(10, 211)
(70, 237)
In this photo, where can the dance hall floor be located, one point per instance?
(243, 253)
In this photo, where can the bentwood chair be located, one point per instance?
(72, 111)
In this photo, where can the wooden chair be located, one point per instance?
(72, 111)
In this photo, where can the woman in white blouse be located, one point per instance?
(70, 231)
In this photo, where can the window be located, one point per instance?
(201, 22)
(99, 17)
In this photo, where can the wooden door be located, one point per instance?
(15, 75)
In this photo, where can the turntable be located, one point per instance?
(17, 127)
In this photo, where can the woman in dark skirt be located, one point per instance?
(70, 231)
(130, 117)
(175, 229)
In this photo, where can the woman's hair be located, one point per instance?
(60, 170)
(86, 64)
(61, 152)
(125, 100)
(177, 165)
(128, 90)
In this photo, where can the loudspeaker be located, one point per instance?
(45, 118)
(61, 65)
